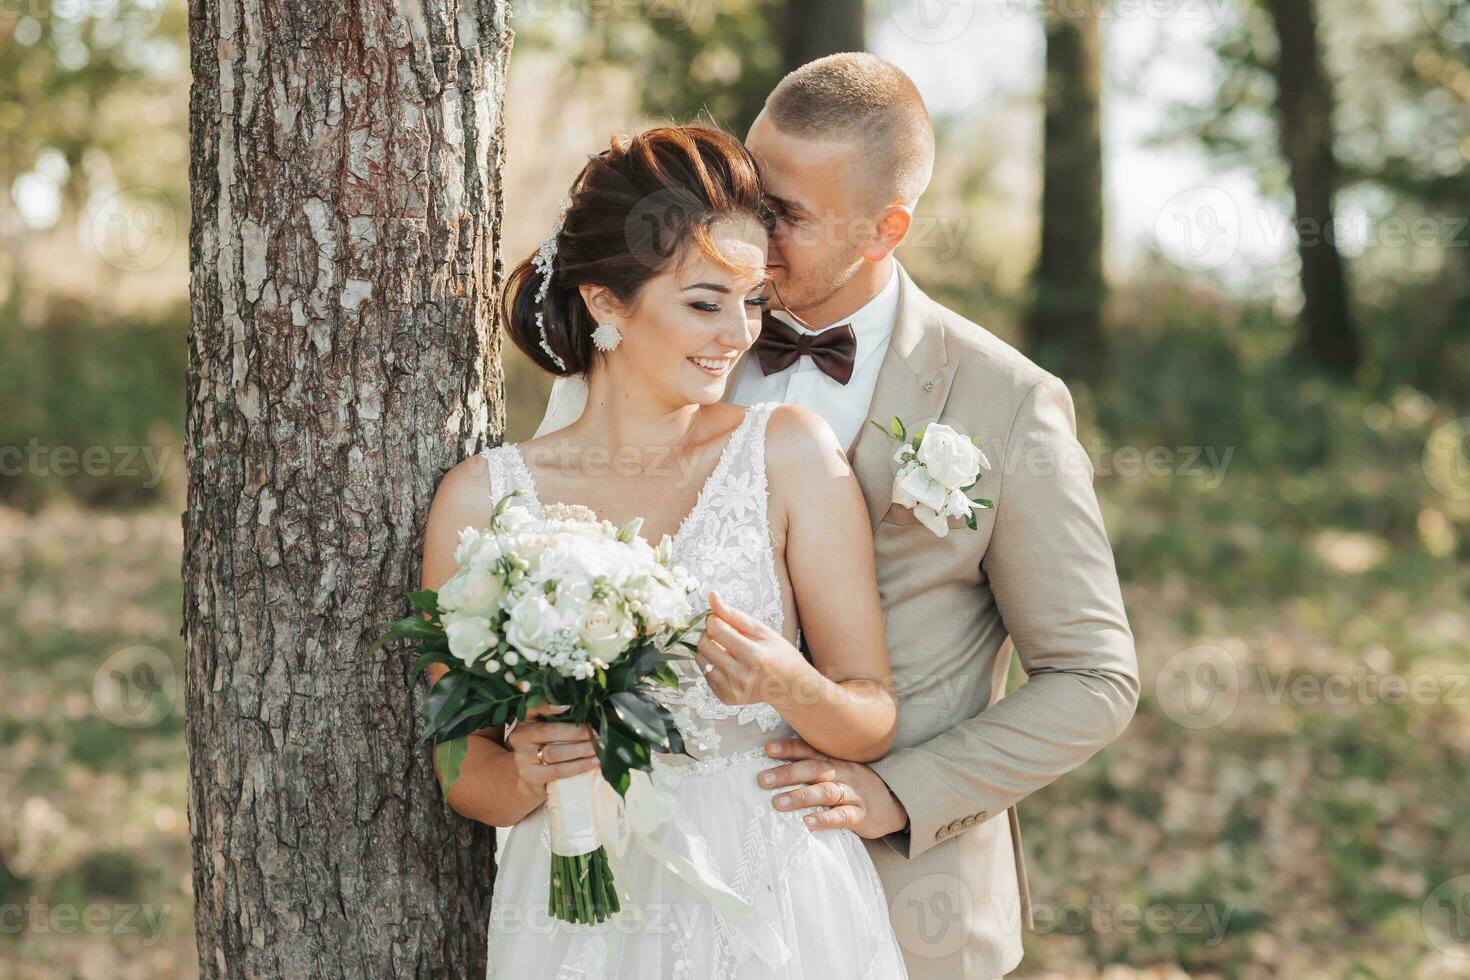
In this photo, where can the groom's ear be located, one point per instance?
(890, 228)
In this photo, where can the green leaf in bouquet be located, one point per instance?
(918, 437)
(630, 530)
(422, 663)
(425, 600)
(464, 724)
(897, 429)
(675, 737)
(641, 715)
(449, 756)
(445, 700)
(665, 675)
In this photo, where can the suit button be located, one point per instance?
(981, 817)
(954, 827)
(968, 821)
(939, 834)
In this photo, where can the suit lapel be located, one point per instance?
(913, 384)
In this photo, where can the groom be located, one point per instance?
(846, 148)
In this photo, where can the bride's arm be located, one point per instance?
(492, 786)
(842, 702)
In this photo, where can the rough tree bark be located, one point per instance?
(1065, 320)
(817, 28)
(344, 170)
(1304, 102)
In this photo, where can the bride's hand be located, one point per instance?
(744, 660)
(549, 750)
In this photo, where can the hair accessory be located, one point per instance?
(542, 262)
(606, 337)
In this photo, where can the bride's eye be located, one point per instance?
(758, 301)
(705, 306)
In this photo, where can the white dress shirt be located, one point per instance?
(844, 406)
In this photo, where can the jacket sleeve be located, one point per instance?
(1050, 568)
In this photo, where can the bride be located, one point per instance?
(655, 289)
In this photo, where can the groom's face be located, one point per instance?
(822, 196)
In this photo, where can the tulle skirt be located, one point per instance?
(816, 891)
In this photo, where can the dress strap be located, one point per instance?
(505, 471)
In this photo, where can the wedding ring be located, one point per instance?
(709, 668)
(539, 757)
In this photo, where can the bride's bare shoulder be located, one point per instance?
(800, 445)
(463, 496)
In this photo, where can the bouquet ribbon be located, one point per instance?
(584, 812)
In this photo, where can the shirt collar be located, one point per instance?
(872, 322)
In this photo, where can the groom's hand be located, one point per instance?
(855, 796)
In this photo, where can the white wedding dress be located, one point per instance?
(816, 907)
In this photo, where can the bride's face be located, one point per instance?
(684, 331)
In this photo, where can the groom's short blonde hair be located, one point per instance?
(860, 98)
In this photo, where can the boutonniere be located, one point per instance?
(936, 469)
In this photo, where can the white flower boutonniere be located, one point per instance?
(936, 468)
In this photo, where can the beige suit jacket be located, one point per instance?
(1037, 576)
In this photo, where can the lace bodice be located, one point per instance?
(725, 543)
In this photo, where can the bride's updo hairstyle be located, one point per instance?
(632, 212)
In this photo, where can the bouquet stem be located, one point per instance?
(582, 887)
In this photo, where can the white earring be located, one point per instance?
(606, 337)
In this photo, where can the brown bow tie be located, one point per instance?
(781, 345)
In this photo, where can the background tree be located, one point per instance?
(1065, 321)
(345, 187)
(1305, 107)
(816, 28)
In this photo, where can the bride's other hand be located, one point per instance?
(744, 660)
(549, 750)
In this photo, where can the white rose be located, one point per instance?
(951, 459)
(470, 543)
(532, 622)
(475, 590)
(605, 630)
(469, 638)
(914, 487)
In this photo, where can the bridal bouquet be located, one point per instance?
(563, 609)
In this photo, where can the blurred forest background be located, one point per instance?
(1237, 228)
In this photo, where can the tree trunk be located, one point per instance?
(1304, 102)
(817, 28)
(343, 354)
(1065, 321)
